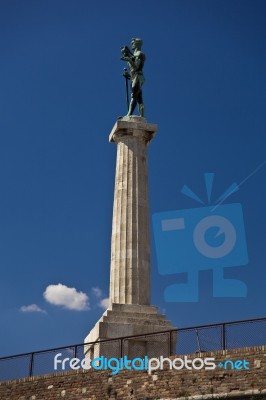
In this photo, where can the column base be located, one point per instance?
(121, 320)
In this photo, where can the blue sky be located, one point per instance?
(61, 93)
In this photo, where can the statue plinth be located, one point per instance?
(130, 312)
(134, 126)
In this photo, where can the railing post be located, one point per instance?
(121, 347)
(75, 351)
(198, 341)
(169, 343)
(31, 364)
(223, 337)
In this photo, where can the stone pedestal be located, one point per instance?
(121, 320)
(130, 312)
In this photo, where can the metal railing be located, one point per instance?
(221, 336)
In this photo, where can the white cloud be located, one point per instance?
(97, 292)
(32, 308)
(69, 298)
(104, 303)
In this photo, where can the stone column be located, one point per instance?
(130, 248)
(129, 312)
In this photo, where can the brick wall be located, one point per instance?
(165, 384)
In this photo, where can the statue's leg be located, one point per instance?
(133, 102)
(132, 105)
(140, 103)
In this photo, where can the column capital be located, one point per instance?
(132, 126)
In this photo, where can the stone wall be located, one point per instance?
(160, 384)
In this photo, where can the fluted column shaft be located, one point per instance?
(130, 245)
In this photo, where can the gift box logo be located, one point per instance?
(203, 238)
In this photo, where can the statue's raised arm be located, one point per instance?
(135, 63)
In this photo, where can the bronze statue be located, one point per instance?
(135, 62)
